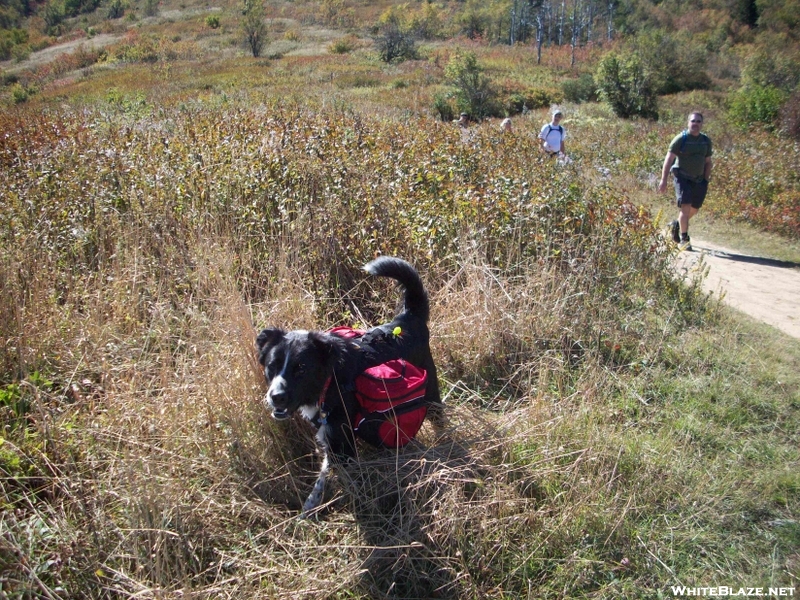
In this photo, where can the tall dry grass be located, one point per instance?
(143, 249)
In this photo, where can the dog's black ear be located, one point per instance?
(330, 347)
(267, 339)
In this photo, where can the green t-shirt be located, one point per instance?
(691, 162)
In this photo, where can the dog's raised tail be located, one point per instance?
(415, 298)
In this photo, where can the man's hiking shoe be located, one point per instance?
(685, 244)
(675, 227)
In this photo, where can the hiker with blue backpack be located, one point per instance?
(689, 160)
(552, 135)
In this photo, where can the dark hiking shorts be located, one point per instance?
(690, 192)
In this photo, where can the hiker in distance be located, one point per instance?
(552, 135)
(463, 123)
(689, 159)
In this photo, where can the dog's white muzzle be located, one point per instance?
(276, 388)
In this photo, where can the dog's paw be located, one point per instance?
(314, 498)
(310, 506)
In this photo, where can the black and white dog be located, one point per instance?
(307, 370)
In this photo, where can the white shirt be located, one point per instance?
(552, 137)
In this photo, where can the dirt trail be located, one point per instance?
(49, 54)
(765, 289)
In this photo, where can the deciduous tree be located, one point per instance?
(254, 27)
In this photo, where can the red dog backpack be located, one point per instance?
(391, 398)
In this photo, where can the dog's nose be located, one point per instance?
(278, 397)
(277, 392)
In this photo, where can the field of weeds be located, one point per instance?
(612, 431)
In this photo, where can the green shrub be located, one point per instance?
(582, 89)
(19, 94)
(515, 103)
(53, 15)
(474, 93)
(116, 9)
(756, 104)
(18, 36)
(626, 87)
(343, 45)
(673, 62)
(212, 22)
(443, 107)
(9, 79)
(255, 29)
(423, 23)
(474, 21)
(395, 45)
(73, 8)
(427, 22)
(21, 52)
(135, 49)
(519, 101)
(5, 46)
(11, 39)
(767, 68)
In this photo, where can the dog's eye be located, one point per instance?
(299, 369)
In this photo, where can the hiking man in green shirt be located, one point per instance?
(689, 159)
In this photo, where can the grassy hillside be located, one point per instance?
(613, 432)
(328, 56)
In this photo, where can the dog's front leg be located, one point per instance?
(315, 497)
(336, 439)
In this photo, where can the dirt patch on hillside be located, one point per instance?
(765, 289)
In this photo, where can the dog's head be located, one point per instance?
(296, 364)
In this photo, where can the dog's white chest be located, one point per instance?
(309, 412)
